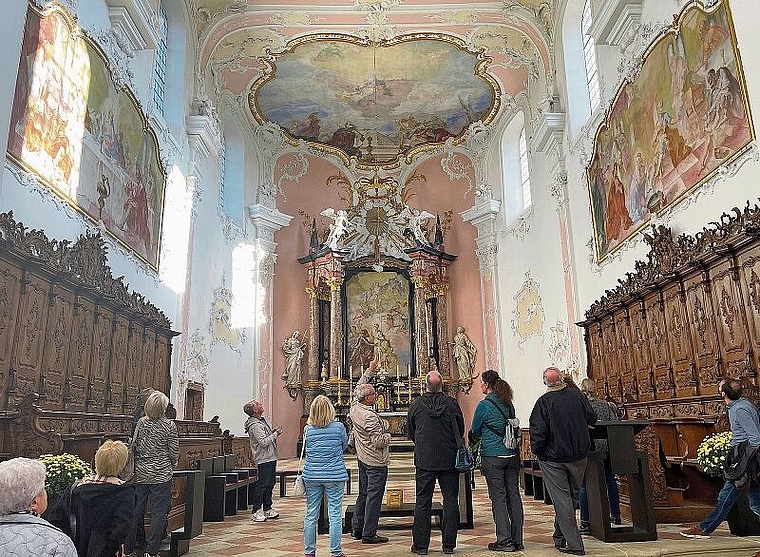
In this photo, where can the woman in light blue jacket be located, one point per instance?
(324, 472)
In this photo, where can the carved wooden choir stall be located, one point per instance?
(659, 343)
(76, 347)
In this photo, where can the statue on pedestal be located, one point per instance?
(293, 349)
(464, 354)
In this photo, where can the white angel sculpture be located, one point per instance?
(415, 220)
(338, 227)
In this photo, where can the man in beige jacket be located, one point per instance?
(371, 440)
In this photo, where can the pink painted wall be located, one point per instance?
(291, 304)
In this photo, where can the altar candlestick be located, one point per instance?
(409, 392)
(397, 374)
(409, 371)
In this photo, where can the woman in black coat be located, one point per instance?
(103, 505)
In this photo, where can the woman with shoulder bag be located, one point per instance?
(499, 465)
(324, 473)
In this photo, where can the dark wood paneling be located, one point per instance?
(26, 374)
(10, 295)
(80, 394)
(687, 316)
(56, 354)
(749, 277)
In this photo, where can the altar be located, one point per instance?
(378, 289)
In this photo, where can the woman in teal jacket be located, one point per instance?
(324, 474)
(500, 465)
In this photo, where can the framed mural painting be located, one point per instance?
(84, 137)
(378, 315)
(682, 117)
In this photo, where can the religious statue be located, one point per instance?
(293, 349)
(464, 354)
(338, 228)
(415, 219)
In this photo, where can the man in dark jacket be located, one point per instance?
(559, 437)
(434, 421)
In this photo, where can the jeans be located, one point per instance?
(160, 503)
(726, 499)
(371, 488)
(503, 479)
(262, 493)
(425, 483)
(314, 494)
(613, 495)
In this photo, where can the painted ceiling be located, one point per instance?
(373, 80)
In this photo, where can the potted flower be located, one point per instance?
(61, 471)
(712, 452)
(711, 456)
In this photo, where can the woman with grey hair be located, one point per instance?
(156, 446)
(22, 499)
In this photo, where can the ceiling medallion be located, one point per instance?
(377, 103)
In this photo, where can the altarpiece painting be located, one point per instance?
(680, 119)
(85, 138)
(377, 309)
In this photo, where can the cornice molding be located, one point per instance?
(615, 21)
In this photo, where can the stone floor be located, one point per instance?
(237, 535)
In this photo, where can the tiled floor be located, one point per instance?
(284, 536)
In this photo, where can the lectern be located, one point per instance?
(624, 459)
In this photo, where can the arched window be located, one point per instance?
(589, 57)
(524, 172)
(516, 198)
(232, 170)
(159, 67)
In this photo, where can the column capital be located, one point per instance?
(483, 216)
(266, 221)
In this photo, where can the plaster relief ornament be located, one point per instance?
(293, 349)
(528, 315)
(465, 355)
(338, 228)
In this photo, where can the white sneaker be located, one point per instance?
(271, 513)
(259, 516)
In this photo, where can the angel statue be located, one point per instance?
(294, 352)
(415, 220)
(464, 354)
(338, 228)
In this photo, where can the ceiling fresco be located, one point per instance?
(345, 77)
(375, 102)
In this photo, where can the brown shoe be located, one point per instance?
(695, 532)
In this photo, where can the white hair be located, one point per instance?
(21, 480)
(361, 391)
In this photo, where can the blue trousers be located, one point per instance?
(613, 495)
(314, 494)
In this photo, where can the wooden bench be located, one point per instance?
(407, 509)
(226, 487)
(533, 481)
(192, 517)
(283, 475)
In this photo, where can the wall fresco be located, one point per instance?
(681, 118)
(85, 138)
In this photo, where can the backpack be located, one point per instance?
(512, 435)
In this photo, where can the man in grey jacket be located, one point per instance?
(371, 441)
(264, 448)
